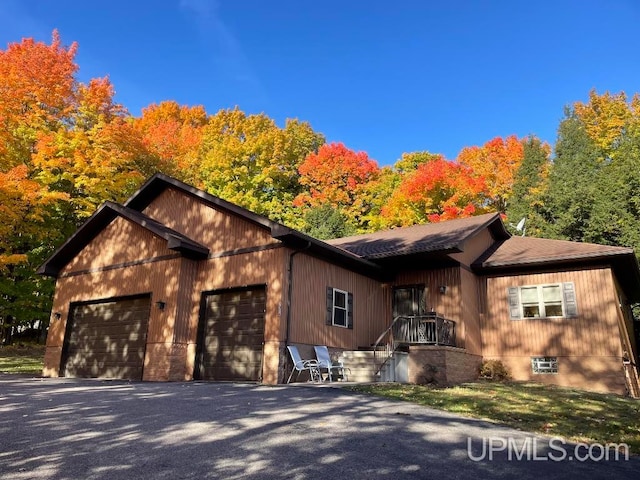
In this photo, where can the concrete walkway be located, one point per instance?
(93, 429)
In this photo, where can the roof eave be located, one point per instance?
(436, 250)
(484, 265)
(189, 250)
(303, 242)
(624, 264)
(105, 214)
(159, 182)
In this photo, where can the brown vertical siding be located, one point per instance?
(183, 333)
(448, 304)
(159, 279)
(121, 241)
(470, 320)
(592, 332)
(588, 346)
(474, 247)
(256, 268)
(371, 305)
(218, 230)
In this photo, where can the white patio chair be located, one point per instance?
(325, 362)
(300, 365)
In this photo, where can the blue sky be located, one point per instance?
(383, 77)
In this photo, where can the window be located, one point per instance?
(339, 308)
(409, 301)
(544, 364)
(543, 301)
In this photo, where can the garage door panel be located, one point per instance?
(107, 339)
(231, 343)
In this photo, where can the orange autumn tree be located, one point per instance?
(65, 147)
(436, 190)
(97, 155)
(338, 177)
(496, 162)
(173, 133)
(37, 85)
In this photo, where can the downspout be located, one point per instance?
(290, 290)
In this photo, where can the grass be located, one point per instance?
(574, 415)
(26, 359)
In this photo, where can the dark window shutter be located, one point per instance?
(350, 311)
(514, 303)
(570, 303)
(329, 315)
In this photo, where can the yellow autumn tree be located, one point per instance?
(496, 162)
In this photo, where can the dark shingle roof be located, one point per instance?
(526, 253)
(448, 236)
(153, 188)
(528, 250)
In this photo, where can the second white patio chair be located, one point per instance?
(300, 365)
(325, 362)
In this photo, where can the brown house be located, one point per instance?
(177, 284)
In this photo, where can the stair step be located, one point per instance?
(358, 354)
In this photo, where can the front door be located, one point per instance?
(409, 300)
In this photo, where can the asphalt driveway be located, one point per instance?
(93, 429)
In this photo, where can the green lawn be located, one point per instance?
(572, 414)
(21, 359)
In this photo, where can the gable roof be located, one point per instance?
(535, 251)
(158, 183)
(367, 254)
(105, 214)
(528, 252)
(442, 237)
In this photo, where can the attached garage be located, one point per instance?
(231, 335)
(106, 339)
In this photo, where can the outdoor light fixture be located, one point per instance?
(443, 289)
(161, 305)
(57, 315)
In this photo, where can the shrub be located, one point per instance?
(494, 370)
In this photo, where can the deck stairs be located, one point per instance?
(362, 367)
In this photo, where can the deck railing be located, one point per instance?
(429, 329)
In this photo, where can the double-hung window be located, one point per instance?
(552, 300)
(339, 308)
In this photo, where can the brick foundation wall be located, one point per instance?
(442, 365)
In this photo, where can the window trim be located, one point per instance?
(551, 369)
(345, 308)
(567, 296)
(541, 305)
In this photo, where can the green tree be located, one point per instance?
(529, 186)
(325, 222)
(573, 189)
(616, 214)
